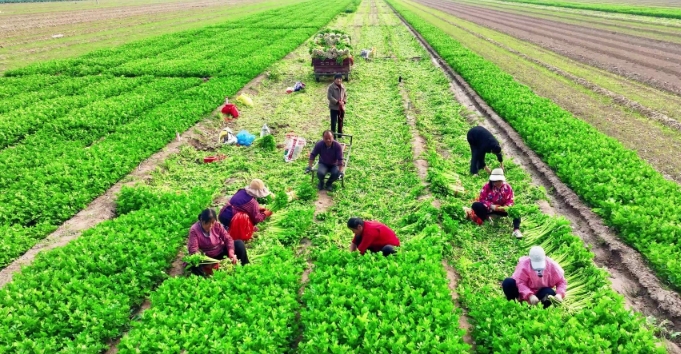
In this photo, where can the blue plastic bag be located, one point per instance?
(245, 138)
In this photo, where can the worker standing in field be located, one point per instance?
(209, 237)
(242, 212)
(372, 236)
(495, 198)
(535, 278)
(331, 160)
(337, 99)
(482, 142)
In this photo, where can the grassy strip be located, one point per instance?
(663, 12)
(484, 256)
(374, 304)
(627, 192)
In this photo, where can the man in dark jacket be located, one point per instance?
(337, 98)
(330, 160)
(482, 142)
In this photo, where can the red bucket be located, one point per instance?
(209, 159)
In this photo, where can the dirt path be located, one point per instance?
(653, 62)
(418, 149)
(629, 274)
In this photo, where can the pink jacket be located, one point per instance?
(498, 196)
(215, 244)
(529, 283)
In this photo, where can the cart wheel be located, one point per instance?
(316, 78)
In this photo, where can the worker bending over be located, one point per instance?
(330, 160)
(372, 236)
(482, 142)
(209, 237)
(535, 278)
(242, 212)
(495, 198)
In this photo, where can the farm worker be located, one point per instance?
(337, 100)
(482, 142)
(209, 237)
(495, 197)
(535, 278)
(242, 212)
(372, 236)
(330, 160)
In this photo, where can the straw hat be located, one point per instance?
(257, 189)
(497, 175)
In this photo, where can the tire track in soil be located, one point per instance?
(617, 98)
(640, 63)
(629, 274)
(104, 207)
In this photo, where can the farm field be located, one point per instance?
(644, 118)
(26, 29)
(119, 287)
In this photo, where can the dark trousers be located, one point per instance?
(386, 250)
(239, 252)
(511, 291)
(336, 118)
(323, 169)
(483, 213)
(477, 159)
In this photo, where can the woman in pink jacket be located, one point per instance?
(535, 278)
(494, 200)
(209, 237)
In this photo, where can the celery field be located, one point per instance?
(115, 138)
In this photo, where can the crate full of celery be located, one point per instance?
(330, 51)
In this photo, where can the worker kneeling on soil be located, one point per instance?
(372, 236)
(534, 279)
(330, 160)
(482, 142)
(208, 236)
(495, 197)
(242, 212)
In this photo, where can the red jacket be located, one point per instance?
(375, 236)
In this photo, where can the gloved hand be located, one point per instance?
(308, 169)
(559, 297)
(533, 300)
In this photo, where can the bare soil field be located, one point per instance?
(654, 62)
(667, 29)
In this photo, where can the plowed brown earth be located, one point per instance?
(654, 62)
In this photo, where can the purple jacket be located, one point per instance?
(332, 155)
(217, 242)
(244, 202)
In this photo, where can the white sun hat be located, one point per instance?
(497, 175)
(257, 189)
(537, 258)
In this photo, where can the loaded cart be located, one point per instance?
(330, 51)
(347, 148)
(331, 67)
